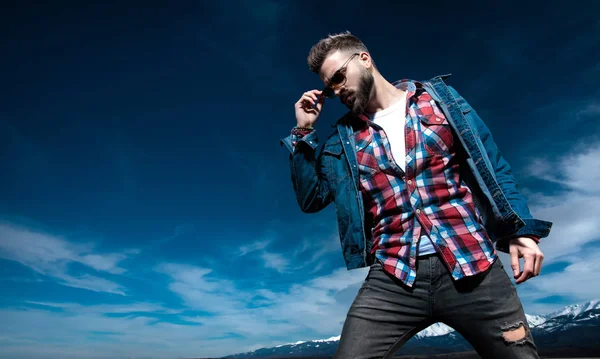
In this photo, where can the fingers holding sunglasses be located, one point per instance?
(311, 98)
(309, 107)
(314, 95)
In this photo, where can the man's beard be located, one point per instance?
(363, 94)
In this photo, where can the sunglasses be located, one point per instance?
(337, 80)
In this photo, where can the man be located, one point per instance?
(422, 194)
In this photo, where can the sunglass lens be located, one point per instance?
(337, 79)
(328, 92)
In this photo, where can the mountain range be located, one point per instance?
(571, 331)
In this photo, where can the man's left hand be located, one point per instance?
(528, 249)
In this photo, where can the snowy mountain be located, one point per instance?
(332, 339)
(570, 317)
(576, 327)
(575, 310)
(434, 330)
(535, 320)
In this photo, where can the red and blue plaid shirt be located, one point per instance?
(427, 198)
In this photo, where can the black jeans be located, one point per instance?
(386, 313)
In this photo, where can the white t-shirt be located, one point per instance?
(393, 122)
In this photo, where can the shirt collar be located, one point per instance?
(414, 89)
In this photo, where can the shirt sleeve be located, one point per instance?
(299, 133)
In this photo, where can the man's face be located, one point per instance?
(356, 91)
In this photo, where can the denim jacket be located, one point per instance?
(333, 176)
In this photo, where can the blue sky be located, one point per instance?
(146, 207)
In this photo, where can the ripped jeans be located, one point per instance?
(484, 309)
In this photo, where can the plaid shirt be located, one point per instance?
(427, 198)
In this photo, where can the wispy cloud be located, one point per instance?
(179, 231)
(578, 173)
(51, 255)
(275, 261)
(139, 307)
(315, 247)
(199, 291)
(573, 209)
(45, 334)
(253, 247)
(269, 258)
(223, 305)
(307, 256)
(579, 275)
(264, 312)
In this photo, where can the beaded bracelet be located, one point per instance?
(302, 131)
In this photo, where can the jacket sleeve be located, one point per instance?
(308, 173)
(533, 227)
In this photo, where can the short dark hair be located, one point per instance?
(344, 41)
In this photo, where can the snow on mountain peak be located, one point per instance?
(535, 320)
(434, 330)
(296, 343)
(332, 339)
(594, 304)
(575, 310)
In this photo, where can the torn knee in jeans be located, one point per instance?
(515, 334)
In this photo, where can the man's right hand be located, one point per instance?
(307, 113)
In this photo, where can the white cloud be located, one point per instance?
(104, 263)
(577, 171)
(296, 311)
(573, 282)
(90, 282)
(199, 291)
(574, 211)
(52, 255)
(270, 260)
(108, 308)
(319, 242)
(253, 247)
(315, 247)
(38, 333)
(275, 261)
(86, 332)
(576, 279)
(256, 315)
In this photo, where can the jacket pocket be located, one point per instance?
(333, 161)
(334, 148)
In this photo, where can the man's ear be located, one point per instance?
(365, 59)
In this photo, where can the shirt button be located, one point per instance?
(409, 182)
(418, 210)
(347, 142)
